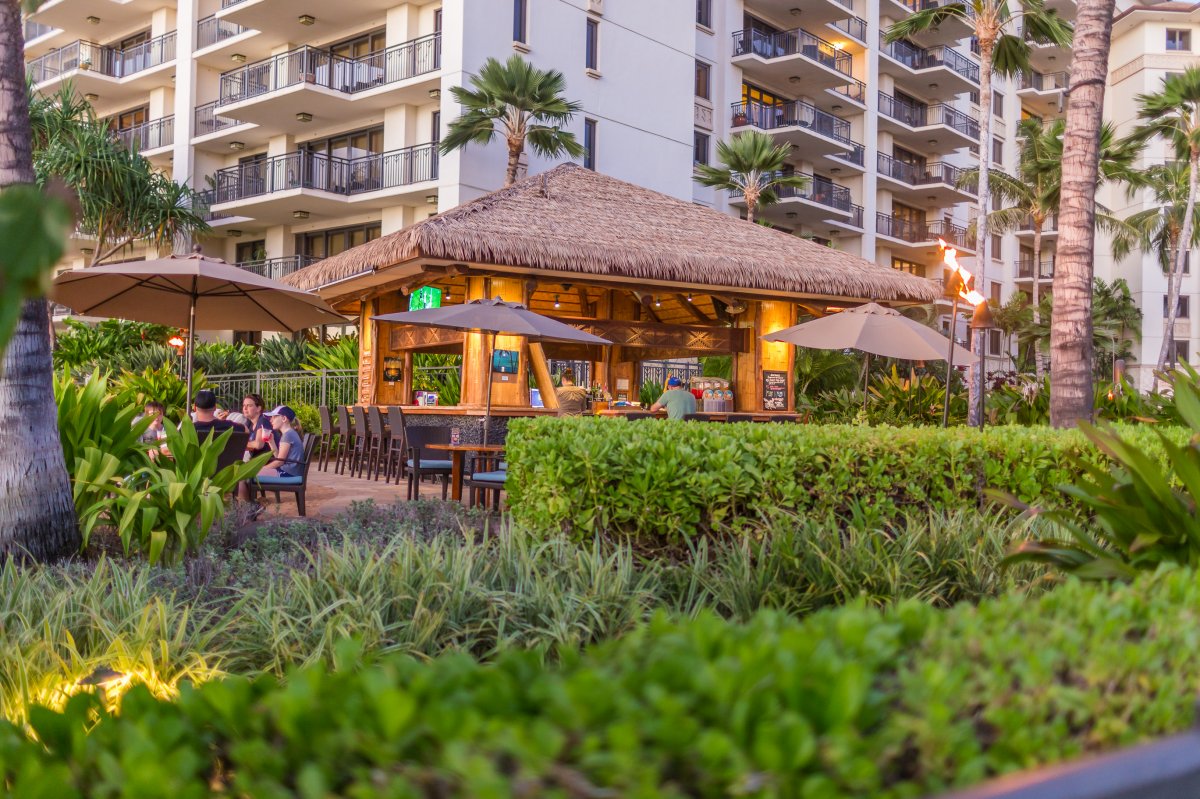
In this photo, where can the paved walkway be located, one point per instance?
(330, 494)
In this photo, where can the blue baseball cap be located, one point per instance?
(283, 411)
(674, 381)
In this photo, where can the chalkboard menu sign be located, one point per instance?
(774, 391)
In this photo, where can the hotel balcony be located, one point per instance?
(950, 31)
(812, 204)
(853, 224)
(922, 237)
(801, 124)
(854, 27)
(927, 129)
(288, 91)
(104, 19)
(1043, 91)
(794, 56)
(816, 12)
(220, 43)
(1049, 228)
(1025, 269)
(116, 76)
(153, 139)
(220, 134)
(935, 73)
(1045, 57)
(302, 184)
(843, 99)
(41, 39)
(288, 21)
(935, 183)
(278, 268)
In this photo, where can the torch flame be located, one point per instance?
(950, 258)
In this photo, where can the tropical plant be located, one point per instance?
(1173, 113)
(340, 353)
(912, 400)
(166, 509)
(825, 370)
(753, 166)
(90, 416)
(1003, 34)
(521, 103)
(281, 354)
(163, 385)
(439, 373)
(223, 358)
(101, 344)
(147, 356)
(1071, 355)
(650, 392)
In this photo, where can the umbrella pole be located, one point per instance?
(950, 362)
(191, 342)
(487, 417)
(866, 380)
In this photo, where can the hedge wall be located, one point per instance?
(657, 478)
(846, 703)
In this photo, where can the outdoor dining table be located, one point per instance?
(457, 456)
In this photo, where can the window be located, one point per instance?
(251, 251)
(130, 119)
(437, 21)
(998, 105)
(1179, 40)
(995, 292)
(997, 151)
(704, 13)
(361, 46)
(703, 80)
(1187, 264)
(589, 143)
(520, 21)
(1181, 351)
(349, 145)
(592, 45)
(699, 148)
(326, 243)
(996, 242)
(994, 342)
(911, 267)
(435, 127)
(1182, 307)
(974, 97)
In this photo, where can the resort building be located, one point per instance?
(314, 128)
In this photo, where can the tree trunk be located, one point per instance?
(975, 386)
(1071, 348)
(1037, 291)
(37, 513)
(1182, 247)
(514, 163)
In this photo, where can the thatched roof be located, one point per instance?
(572, 220)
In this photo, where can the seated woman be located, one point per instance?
(572, 399)
(154, 432)
(288, 460)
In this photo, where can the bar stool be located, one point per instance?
(396, 457)
(325, 443)
(377, 445)
(362, 440)
(345, 439)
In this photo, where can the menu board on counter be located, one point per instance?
(774, 391)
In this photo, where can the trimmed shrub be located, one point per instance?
(672, 480)
(847, 703)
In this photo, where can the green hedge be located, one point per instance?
(847, 703)
(671, 479)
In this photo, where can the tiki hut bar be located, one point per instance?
(659, 277)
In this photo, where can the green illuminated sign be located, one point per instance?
(425, 297)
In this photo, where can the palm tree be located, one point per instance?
(1174, 114)
(1003, 49)
(37, 513)
(520, 101)
(753, 166)
(1071, 350)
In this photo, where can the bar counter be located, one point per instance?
(469, 420)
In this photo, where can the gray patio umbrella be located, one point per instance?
(875, 330)
(194, 292)
(497, 317)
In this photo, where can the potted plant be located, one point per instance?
(740, 118)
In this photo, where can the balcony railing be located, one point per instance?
(1049, 225)
(853, 27)
(1025, 269)
(209, 121)
(788, 43)
(856, 90)
(344, 176)
(278, 268)
(84, 55)
(921, 232)
(817, 190)
(920, 116)
(856, 217)
(228, 3)
(855, 155)
(916, 58)
(797, 113)
(1052, 82)
(915, 175)
(923, 5)
(211, 30)
(149, 135)
(36, 30)
(308, 65)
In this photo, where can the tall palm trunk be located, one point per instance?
(1175, 282)
(1071, 349)
(37, 514)
(1038, 221)
(975, 391)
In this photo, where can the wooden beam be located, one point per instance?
(691, 308)
(585, 302)
(541, 375)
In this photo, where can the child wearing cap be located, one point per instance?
(678, 401)
(288, 460)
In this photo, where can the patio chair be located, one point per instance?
(362, 440)
(345, 445)
(635, 415)
(740, 417)
(325, 445)
(396, 448)
(235, 450)
(377, 446)
(421, 464)
(290, 485)
(488, 472)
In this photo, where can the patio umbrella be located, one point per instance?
(191, 291)
(875, 330)
(497, 317)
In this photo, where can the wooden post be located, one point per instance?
(622, 307)
(367, 366)
(541, 374)
(476, 357)
(764, 356)
(510, 390)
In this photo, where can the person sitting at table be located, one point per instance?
(204, 412)
(259, 425)
(572, 399)
(154, 432)
(288, 460)
(678, 401)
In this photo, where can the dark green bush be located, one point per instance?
(848, 703)
(674, 479)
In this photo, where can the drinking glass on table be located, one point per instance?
(455, 436)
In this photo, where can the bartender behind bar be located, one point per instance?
(678, 401)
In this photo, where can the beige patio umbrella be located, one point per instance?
(191, 291)
(875, 330)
